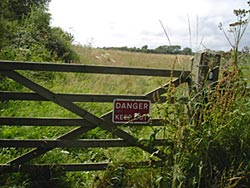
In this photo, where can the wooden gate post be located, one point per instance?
(204, 77)
(205, 69)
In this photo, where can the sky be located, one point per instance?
(135, 23)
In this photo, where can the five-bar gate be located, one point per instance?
(86, 121)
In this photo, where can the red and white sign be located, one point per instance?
(134, 111)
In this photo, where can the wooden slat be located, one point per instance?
(82, 143)
(155, 95)
(76, 167)
(7, 95)
(14, 121)
(80, 112)
(40, 151)
(14, 65)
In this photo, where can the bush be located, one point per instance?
(28, 36)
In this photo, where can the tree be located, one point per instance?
(172, 49)
(59, 43)
(26, 34)
(144, 48)
(187, 51)
(16, 9)
(161, 49)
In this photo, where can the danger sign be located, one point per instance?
(135, 111)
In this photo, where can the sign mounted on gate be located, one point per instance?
(132, 111)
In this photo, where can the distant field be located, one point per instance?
(123, 58)
(116, 84)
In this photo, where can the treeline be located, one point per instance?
(164, 49)
(26, 34)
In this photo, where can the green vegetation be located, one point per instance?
(208, 136)
(26, 34)
(208, 150)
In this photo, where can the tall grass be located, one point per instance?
(210, 147)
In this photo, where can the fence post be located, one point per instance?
(205, 69)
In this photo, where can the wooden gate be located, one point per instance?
(86, 121)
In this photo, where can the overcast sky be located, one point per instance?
(134, 23)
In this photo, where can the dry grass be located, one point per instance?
(121, 84)
(132, 59)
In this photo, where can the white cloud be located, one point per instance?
(136, 22)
